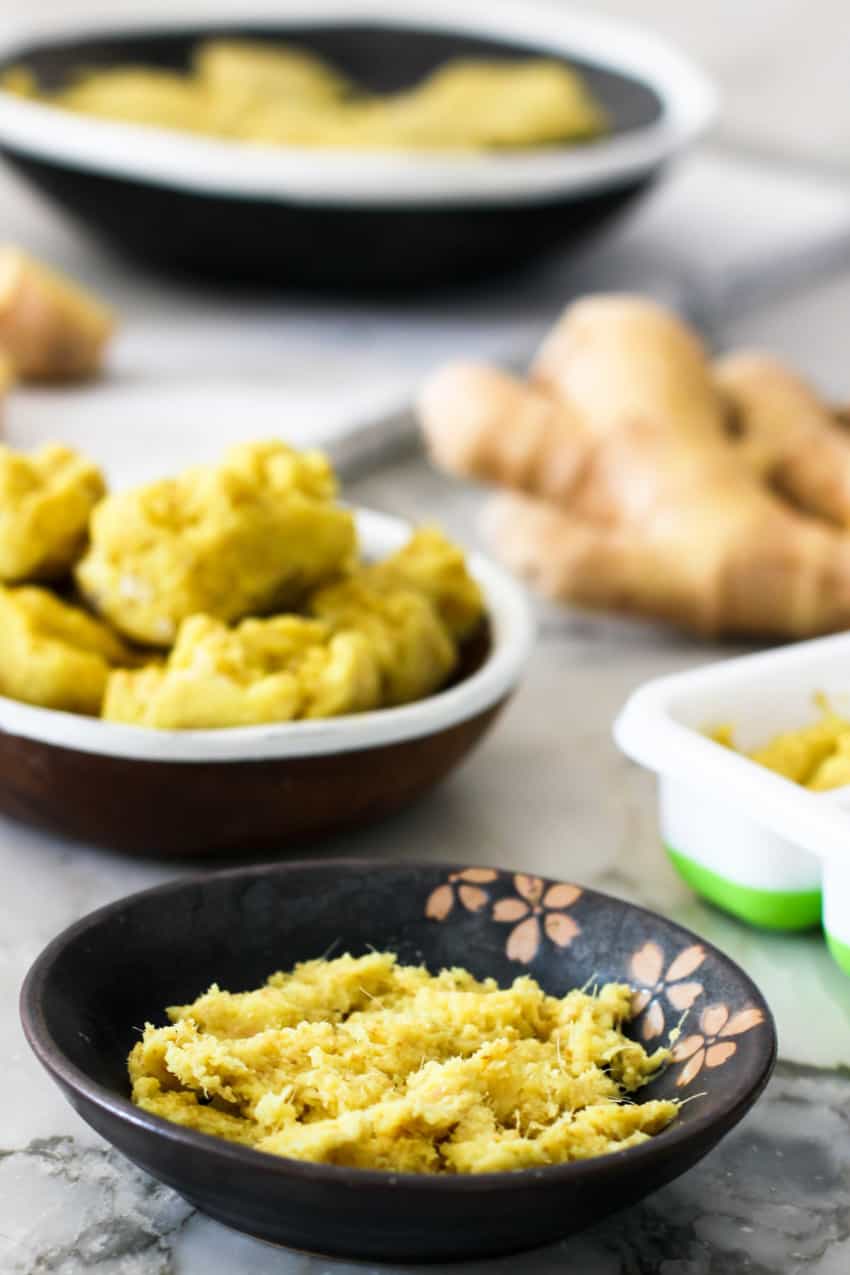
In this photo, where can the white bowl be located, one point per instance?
(248, 788)
(512, 638)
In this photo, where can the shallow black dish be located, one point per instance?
(343, 219)
(86, 994)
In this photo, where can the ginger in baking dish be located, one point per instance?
(639, 478)
(251, 71)
(251, 536)
(236, 89)
(260, 671)
(141, 95)
(371, 1064)
(275, 94)
(54, 654)
(51, 329)
(472, 104)
(46, 499)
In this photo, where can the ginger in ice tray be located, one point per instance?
(364, 1062)
(816, 756)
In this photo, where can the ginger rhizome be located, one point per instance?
(51, 329)
(641, 478)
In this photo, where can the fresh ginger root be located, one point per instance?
(786, 435)
(50, 328)
(634, 487)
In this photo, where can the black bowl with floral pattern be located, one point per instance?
(87, 993)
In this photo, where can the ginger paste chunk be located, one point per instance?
(250, 536)
(53, 654)
(46, 498)
(363, 1062)
(261, 671)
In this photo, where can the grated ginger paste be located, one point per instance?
(816, 756)
(361, 1061)
(270, 94)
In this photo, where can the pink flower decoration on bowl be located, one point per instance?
(711, 1046)
(674, 984)
(463, 887)
(534, 913)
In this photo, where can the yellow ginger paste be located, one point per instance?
(271, 94)
(242, 582)
(815, 756)
(53, 654)
(364, 1062)
(261, 671)
(250, 536)
(385, 635)
(46, 498)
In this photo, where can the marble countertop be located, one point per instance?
(547, 791)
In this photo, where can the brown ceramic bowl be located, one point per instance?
(261, 788)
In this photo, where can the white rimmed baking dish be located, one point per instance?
(747, 839)
(341, 218)
(328, 176)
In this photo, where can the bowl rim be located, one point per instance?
(53, 1059)
(371, 178)
(512, 637)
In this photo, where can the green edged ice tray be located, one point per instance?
(746, 839)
